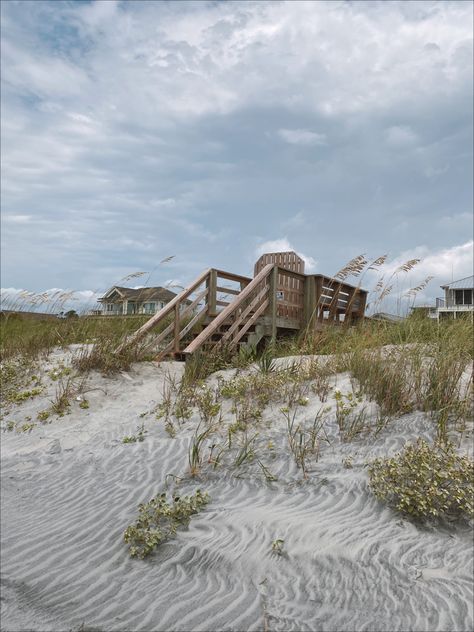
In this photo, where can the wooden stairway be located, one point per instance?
(221, 308)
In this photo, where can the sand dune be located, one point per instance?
(70, 488)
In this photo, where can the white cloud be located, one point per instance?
(283, 245)
(302, 137)
(52, 301)
(443, 265)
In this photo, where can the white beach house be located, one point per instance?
(458, 300)
(125, 301)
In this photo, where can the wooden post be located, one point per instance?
(211, 285)
(348, 312)
(272, 302)
(318, 281)
(362, 303)
(309, 302)
(176, 328)
(334, 303)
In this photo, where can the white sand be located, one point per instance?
(71, 487)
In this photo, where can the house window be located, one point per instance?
(110, 307)
(463, 297)
(149, 308)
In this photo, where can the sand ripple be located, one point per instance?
(348, 562)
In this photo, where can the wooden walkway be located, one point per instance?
(222, 308)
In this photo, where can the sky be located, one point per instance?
(211, 132)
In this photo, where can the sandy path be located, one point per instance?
(349, 563)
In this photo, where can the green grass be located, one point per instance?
(32, 338)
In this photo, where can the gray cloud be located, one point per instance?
(134, 131)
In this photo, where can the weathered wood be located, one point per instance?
(247, 311)
(227, 290)
(228, 311)
(253, 319)
(272, 312)
(167, 309)
(309, 300)
(230, 276)
(211, 284)
(176, 327)
(280, 297)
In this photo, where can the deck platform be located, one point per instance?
(222, 308)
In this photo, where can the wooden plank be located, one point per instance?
(229, 310)
(167, 309)
(222, 303)
(230, 276)
(334, 301)
(171, 346)
(194, 321)
(183, 314)
(245, 313)
(309, 301)
(272, 312)
(227, 290)
(211, 284)
(291, 274)
(176, 328)
(250, 322)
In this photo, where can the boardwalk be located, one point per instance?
(228, 309)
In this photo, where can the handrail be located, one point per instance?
(165, 311)
(229, 310)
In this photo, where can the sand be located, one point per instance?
(71, 487)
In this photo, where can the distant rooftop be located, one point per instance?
(462, 284)
(384, 316)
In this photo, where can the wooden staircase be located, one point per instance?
(221, 308)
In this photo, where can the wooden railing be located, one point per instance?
(286, 299)
(240, 314)
(200, 301)
(328, 300)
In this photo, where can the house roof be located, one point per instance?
(462, 284)
(384, 316)
(140, 294)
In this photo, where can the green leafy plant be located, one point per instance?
(277, 547)
(22, 396)
(159, 519)
(266, 362)
(139, 437)
(196, 448)
(43, 415)
(425, 480)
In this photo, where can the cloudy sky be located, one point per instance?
(213, 131)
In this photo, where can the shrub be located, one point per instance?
(158, 520)
(425, 480)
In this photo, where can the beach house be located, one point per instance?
(125, 301)
(458, 299)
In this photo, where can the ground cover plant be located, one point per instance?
(159, 519)
(425, 480)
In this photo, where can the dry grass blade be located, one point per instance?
(414, 290)
(133, 275)
(378, 262)
(166, 259)
(353, 268)
(407, 266)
